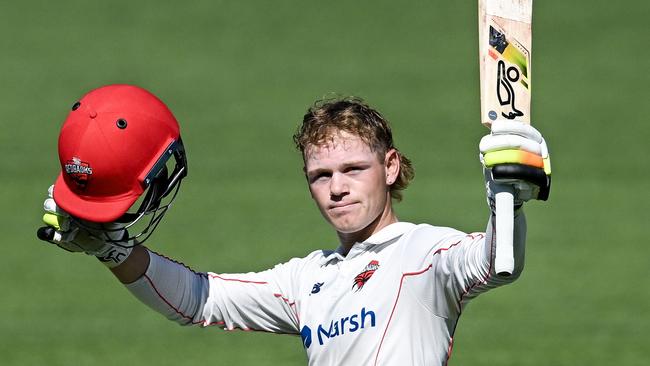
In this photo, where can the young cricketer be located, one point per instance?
(391, 293)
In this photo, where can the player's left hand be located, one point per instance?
(515, 154)
(103, 240)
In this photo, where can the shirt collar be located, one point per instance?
(389, 233)
(384, 235)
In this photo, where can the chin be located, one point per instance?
(347, 226)
(348, 229)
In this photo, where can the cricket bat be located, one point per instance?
(505, 41)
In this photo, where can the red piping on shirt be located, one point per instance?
(468, 289)
(176, 309)
(399, 291)
(238, 280)
(291, 305)
(280, 296)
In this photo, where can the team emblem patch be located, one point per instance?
(363, 277)
(79, 171)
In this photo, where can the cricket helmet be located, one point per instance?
(114, 146)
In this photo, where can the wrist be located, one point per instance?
(134, 267)
(114, 254)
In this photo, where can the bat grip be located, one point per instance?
(504, 262)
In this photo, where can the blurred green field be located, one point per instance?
(239, 76)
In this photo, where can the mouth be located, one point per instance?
(341, 206)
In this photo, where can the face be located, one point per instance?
(351, 185)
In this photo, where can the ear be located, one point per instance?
(391, 164)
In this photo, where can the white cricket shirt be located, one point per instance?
(395, 299)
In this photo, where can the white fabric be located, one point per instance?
(506, 135)
(405, 314)
(507, 127)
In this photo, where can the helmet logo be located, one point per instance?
(79, 171)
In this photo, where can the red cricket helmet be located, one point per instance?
(113, 146)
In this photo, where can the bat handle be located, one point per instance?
(504, 261)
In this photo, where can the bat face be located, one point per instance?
(504, 54)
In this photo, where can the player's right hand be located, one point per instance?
(75, 235)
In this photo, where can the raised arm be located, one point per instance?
(514, 158)
(257, 301)
(517, 169)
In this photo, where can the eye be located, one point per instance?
(319, 177)
(353, 169)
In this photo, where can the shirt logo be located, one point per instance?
(339, 327)
(79, 171)
(305, 334)
(316, 288)
(363, 277)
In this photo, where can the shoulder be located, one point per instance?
(426, 234)
(314, 258)
(421, 241)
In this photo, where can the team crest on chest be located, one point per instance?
(363, 277)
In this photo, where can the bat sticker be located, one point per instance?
(504, 86)
(511, 77)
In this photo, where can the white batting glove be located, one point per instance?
(74, 235)
(515, 154)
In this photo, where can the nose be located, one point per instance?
(338, 186)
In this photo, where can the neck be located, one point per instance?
(386, 218)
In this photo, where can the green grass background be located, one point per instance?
(239, 75)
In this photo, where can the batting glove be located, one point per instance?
(102, 240)
(515, 154)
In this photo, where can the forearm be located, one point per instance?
(477, 273)
(133, 267)
(166, 286)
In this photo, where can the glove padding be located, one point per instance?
(515, 154)
(102, 240)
